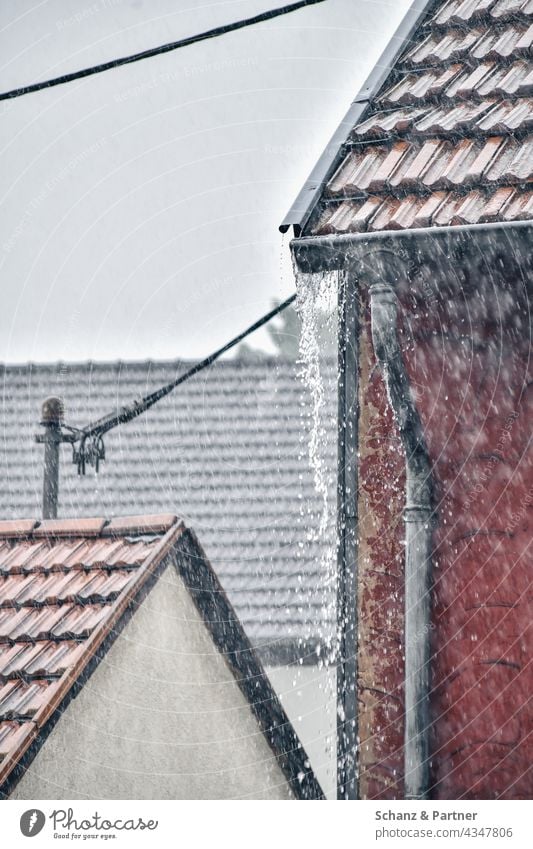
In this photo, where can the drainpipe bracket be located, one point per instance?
(417, 513)
(384, 291)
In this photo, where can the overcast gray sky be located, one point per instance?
(139, 208)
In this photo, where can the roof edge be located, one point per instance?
(88, 526)
(318, 254)
(230, 639)
(307, 198)
(123, 366)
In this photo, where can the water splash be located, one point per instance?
(315, 295)
(316, 305)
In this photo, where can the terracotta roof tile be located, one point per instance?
(514, 164)
(486, 155)
(425, 215)
(413, 87)
(19, 699)
(472, 80)
(393, 120)
(508, 115)
(53, 588)
(456, 113)
(460, 81)
(13, 737)
(417, 168)
(405, 214)
(385, 213)
(512, 79)
(496, 203)
(436, 209)
(450, 46)
(17, 529)
(505, 7)
(59, 597)
(42, 658)
(15, 558)
(69, 528)
(357, 169)
(503, 44)
(456, 119)
(461, 10)
(340, 218)
(389, 166)
(158, 524)
(519, 207)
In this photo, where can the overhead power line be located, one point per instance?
(158, 51)
(94, 432)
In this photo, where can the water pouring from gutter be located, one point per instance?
(338, 566)
(316, 307)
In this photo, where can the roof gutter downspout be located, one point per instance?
(418, 519)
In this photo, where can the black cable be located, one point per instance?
(131, 411)
(157, 51)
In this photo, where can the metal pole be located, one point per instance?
(418, 518)
(347, 523)
(52, 418)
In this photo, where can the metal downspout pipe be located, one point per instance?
(418, 524)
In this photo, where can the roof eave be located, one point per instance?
(303, 206)
(319, 254)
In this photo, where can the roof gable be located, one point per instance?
(446, 140)
(64, 585)
(67, 587)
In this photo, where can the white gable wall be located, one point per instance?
(160, 718)
(308, 696)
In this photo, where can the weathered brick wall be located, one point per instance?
(381, 580)
(470, 366)
(467, 354)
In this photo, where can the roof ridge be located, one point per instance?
(266, 358)
(86, 526)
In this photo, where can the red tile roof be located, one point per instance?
(449, 137)
(63, 587)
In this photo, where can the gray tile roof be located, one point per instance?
(227, 452)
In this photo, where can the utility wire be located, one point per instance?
(97, 429)
(157, 51)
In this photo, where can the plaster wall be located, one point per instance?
(161, 717)
(309, 697)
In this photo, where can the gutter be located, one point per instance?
(318, 254)
(303, 206)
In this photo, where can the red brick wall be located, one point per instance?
(381, 581)
(474, 406)
(470, 371)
